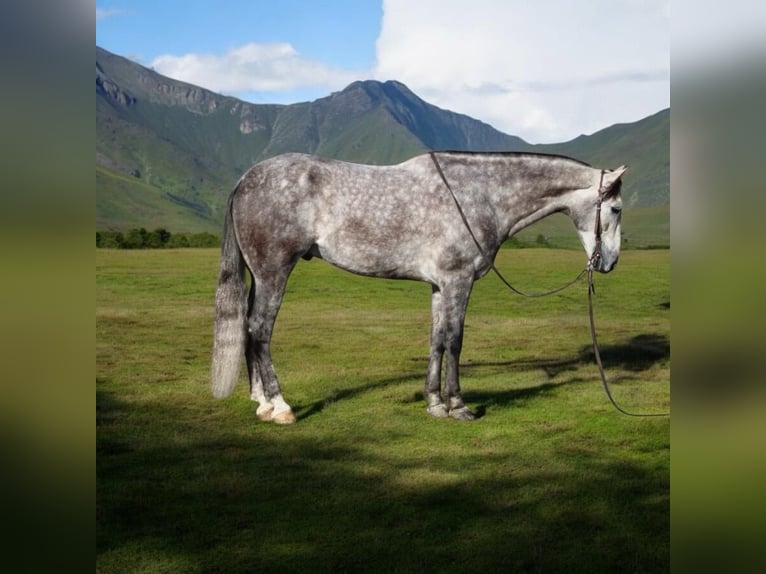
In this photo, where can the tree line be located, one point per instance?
(140, 238)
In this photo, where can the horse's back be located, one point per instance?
(334, 191)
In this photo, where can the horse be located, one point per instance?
(439, 217)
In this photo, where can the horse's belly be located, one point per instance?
(376, 260)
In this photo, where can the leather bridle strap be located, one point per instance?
(595, 257)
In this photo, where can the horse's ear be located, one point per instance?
(611, 176)
(620, 170)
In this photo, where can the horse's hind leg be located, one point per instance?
(265, 301)
(265, 408)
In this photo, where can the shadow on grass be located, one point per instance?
(303, 412)
(635, 355)
(638, 354)
(263, 501)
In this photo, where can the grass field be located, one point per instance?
(549, 479)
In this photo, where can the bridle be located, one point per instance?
(595, 257)
(593, 261)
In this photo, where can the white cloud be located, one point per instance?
(546, 71)
(253, 68)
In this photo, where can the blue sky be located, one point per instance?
(339, 33)
(546, 71)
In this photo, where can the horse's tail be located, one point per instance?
(230, 311)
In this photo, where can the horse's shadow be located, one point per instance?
(304, 412)
(637, 354)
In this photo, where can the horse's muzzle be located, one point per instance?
(606, 263)
(602, 264)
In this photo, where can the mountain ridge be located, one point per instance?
(168, 152)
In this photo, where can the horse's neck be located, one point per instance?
(522, 197)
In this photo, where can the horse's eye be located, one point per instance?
(616, 209)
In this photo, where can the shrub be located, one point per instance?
(140, 238)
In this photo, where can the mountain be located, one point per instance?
(168, 153)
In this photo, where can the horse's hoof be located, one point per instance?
(263, 412)
(462, 414)
(284, 418)
(438, 411)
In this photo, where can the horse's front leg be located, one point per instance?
(432, 392)
(448, 305)
(454, 304)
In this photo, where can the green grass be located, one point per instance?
(549, 478)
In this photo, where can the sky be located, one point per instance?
(547, 71)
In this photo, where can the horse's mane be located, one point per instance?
(512, 154)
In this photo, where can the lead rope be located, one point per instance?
(591, 290)
(587, 270)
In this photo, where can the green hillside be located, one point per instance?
(136, 204)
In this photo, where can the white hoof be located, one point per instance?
(264, 411)
(283, 418)
(438, 411)
(462, 414)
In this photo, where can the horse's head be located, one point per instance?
(597, 218)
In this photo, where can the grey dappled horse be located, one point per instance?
(397, 221)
